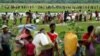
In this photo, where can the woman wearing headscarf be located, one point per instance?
(21, 40)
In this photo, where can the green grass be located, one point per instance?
(69, 7)
(64, 27)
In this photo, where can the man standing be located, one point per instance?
(66, 13)
(15, 18)
(7, 18)
(49, 16)
(30, 12)
(97, 15)
(80, 15)
(3, 19)
(21, 18)
(5, 41)
(53, 36)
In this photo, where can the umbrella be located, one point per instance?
(22, 28)
(27, 26)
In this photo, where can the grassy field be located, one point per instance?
(46, 7)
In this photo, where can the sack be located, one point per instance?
(46, 42)
(97, 31)
(17, 48)
(49, 45)
(18, 45)
(70, 43)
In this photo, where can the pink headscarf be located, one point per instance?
(23, 34)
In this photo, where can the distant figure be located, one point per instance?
(77, 17)
(80, 15)
(85, 15)
(37, 17)
(45, 18)
(28, 18)
(90, 14)
(72, 16)
(31, 17)
(21, 18)
(97, 15)
(60, 17)
(66, 13)
(15, 18)
(49, 16)
(3, 19)
(7, 18)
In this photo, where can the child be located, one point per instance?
(30, 47)
(80, 49)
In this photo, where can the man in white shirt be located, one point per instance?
(39, 40)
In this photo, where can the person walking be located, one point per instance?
(88, 40)
(5, 38)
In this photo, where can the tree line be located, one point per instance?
(49, 1)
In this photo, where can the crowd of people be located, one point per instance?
(47, 43)
(49, 17)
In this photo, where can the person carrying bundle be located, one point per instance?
(88, 40)
(23, 44)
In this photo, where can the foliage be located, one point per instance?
(49, 1)
(0, 22)
(44, 7)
